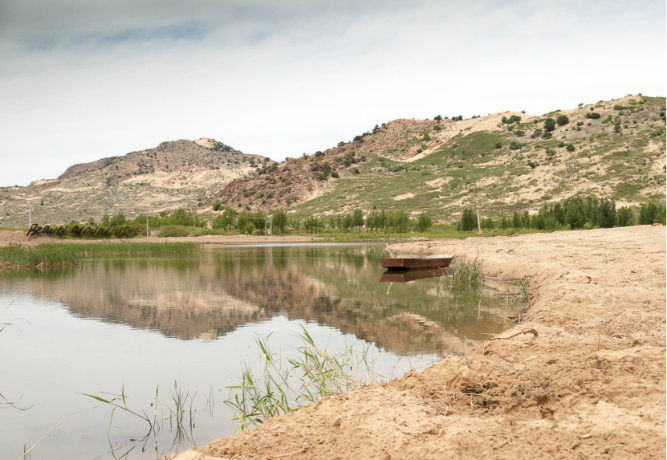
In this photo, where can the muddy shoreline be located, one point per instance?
(591, 384)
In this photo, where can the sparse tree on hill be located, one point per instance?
(562, 120)
(549, 124)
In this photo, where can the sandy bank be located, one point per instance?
(590, 385)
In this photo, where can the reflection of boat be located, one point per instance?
(434, 261)
(405, 276)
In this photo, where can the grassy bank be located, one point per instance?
(56, 255)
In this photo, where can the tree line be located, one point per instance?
(573, 213)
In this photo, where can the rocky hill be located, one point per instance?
(175, 174)
(500, 162)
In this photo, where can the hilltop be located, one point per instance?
(501, 162)
(173, 175)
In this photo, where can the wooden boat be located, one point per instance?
(405, 276)
(411, 263)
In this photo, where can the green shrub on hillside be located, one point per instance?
(549, 124)
(562, 120)
(593, 115)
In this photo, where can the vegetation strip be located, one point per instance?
(58, 255)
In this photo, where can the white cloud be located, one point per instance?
(83, 80)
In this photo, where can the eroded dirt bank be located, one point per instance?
(591, 385)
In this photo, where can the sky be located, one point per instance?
(82, 80)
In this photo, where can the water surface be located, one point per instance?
(147, 321)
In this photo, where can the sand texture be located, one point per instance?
(590, 384)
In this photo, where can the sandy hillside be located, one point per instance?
(590, 383)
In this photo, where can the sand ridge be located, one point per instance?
(591, 384)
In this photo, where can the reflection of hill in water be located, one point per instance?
(219, 291)
(177, 301)
(344, 292)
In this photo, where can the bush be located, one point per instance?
(499, 145)
(216, 206)
(514, 145)
(562, 120)
(570, 148)
(625, 217)
(335, 175)
(173, 231)
(547, 135)
(468, 221)
(593, 115)
(424, 222)
(355, 171)
(280, 221)
(549, 124)
(250, 228)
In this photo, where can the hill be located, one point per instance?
(175, 174)
(501, 162)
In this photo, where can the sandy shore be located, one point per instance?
(591, 384)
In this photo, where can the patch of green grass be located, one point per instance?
(54, 255)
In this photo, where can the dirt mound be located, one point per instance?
(18, 237)
(589, 383)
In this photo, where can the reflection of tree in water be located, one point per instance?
(213, 293)
(343, 292)
(178, 300)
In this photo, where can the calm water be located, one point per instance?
(144, 322)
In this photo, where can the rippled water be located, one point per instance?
(144, 322)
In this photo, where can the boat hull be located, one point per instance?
(416, 263)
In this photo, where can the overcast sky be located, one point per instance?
(82, 79)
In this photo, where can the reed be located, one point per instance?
(54, 255)
(286, 385)
(466, 271)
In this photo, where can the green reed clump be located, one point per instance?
(466, 271)
(286, 385)
(70, 254)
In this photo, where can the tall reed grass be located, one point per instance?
(285, 385)
(50, 255)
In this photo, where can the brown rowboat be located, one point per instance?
(411, 263)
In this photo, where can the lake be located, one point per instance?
(136, 324)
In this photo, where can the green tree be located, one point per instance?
(516, 220)
(549, 124)
(280, 221)
(118, 219)
(91, 221)
(216, 206)
(357, 218)
(607, 214)
(468, 220)
(424, 222)
(105, 220)
(562, 120)
(625, 217)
